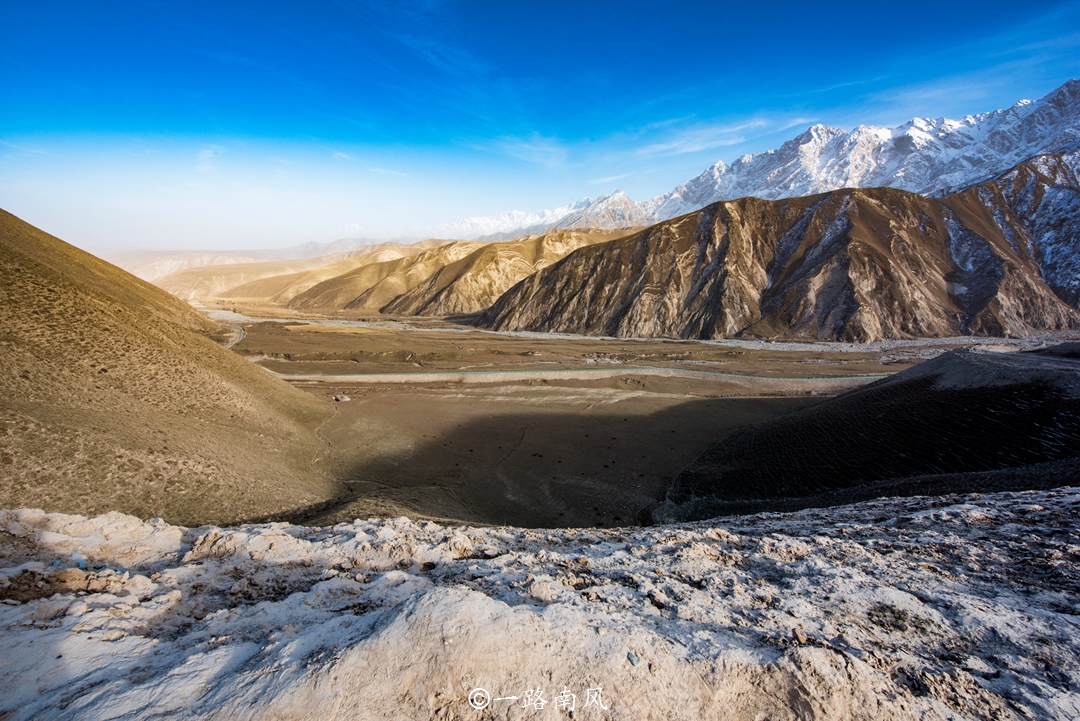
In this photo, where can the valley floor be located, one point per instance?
(952, 607)
(449, 423)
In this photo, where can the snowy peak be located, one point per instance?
(507, 221)
(610, 212)
(923, 155)
(931, 156)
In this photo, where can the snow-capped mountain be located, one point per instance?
(923, 156)
(609, 212)
(927, 156)
(510, 220)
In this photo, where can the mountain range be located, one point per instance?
(999, 258)
(924, 155)
(936, 227)
(153, 264)
(454, 278)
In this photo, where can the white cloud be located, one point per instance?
(706, 136)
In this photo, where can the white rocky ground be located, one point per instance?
(957, 607)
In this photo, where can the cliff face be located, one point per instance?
(854, 265)
(1042, 196)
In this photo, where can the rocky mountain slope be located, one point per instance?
(924, 155)
(454, 278)
(473, 283)
(1043, 199)
(916, 608)
(859, 265)
(112, 397)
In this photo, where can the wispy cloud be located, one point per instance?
(430, 29)
(30, 150)
(389, 172)
(534, 148)
(206, 157)
(338, 155)
(608, 179)
(706, 137)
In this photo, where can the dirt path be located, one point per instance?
(833, 384)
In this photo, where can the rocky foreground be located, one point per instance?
(955, 607)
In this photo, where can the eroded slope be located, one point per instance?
(372, 286)
(855, 265)
(281, 288)
(967, 420)
(473, 283)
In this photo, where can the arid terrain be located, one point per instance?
(957, 607)
(473, 361)
(535, 431)
(530, 495)
(115, 395)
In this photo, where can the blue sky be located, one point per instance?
(218, 125)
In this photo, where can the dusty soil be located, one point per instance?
(115, 395)
(291, 349)
(549, 452)
(952, 419)
(538, 453)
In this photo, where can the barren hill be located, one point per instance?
(112, 397)
(278, 281)
(372, 286)
(473, 283)
(859, 265)
(211, 281)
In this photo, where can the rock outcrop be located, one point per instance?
(916, 608)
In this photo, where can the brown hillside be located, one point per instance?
(113, 398)
(280, 289)
(473, 283)
(858, 265)
(370, 287)
(954, 424)
(213, 280)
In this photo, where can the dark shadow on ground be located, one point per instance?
(901, 437)
(1039, 476)
(597, 467)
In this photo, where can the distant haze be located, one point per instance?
(206, 128)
